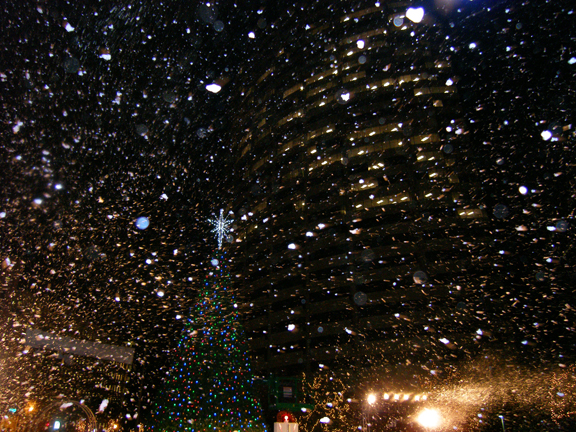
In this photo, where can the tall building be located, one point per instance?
(358, 224)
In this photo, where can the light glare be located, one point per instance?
(429, 418)
(415, 14)
(213, 88)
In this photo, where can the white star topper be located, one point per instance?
(221, 227)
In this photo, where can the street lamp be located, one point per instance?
(366, 414)
(429, 418)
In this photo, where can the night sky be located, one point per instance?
(105, 119)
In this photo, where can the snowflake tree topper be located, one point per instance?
(221, 227)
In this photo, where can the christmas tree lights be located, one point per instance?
(221, 227)
(209, 387)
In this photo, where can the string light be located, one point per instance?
(209, 386)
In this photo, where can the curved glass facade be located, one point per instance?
(357, 239)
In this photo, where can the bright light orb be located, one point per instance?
(429, 418)
(325, 420)
(371, 398)
(546, 135)
(415, 14)
(213, 88)
(343, 96)
(142, 223)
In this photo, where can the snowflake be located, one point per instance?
(221, 227)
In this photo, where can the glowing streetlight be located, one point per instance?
(429, 418)
(366, 414)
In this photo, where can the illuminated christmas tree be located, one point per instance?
(209, 386)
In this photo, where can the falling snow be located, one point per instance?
(402, 183)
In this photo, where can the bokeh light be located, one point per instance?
(429, 418)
